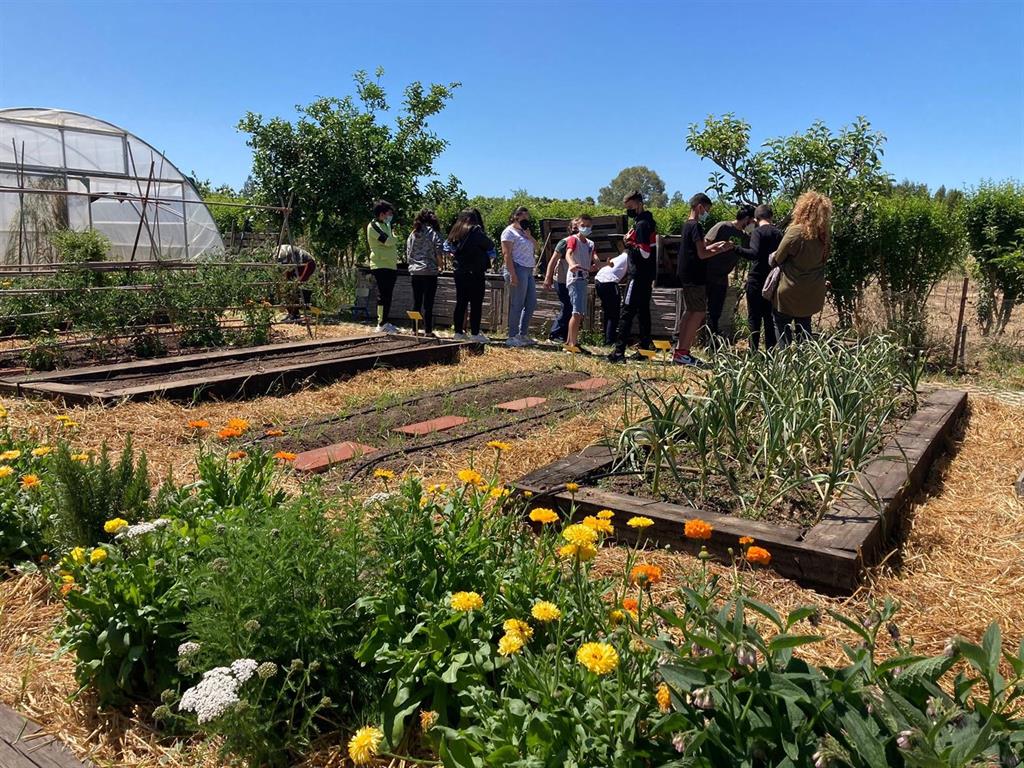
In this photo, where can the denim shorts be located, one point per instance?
(578, 295)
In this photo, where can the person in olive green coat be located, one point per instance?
(801, 258)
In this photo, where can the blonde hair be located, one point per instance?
(813, 212)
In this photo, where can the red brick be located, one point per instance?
(322, 459)
(588, 384)
(519, 405)
(432, 425)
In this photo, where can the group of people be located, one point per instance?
(785, 283)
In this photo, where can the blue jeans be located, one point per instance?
(560, 328)
(522, 301)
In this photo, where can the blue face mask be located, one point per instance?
(586, 230)
(388, 218)
(704, 216)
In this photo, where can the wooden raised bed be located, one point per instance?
(830, 556)
(230, 373)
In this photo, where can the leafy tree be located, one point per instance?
(994, 219)
(341, 154)
(637, 177)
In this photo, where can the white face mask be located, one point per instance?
(388, 218)
(586, 230)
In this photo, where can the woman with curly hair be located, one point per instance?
(801, 258)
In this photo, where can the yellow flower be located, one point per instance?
(78, 555)
(3, 411)
(697, 529)
(428, 719)
(466, 602)
(499, 446)
(115, 525)
(9, 455)
(6, 471)
(510, 644)
(543, 515)
(437, 488)
(470, 477)
(30, 481)
(599, 658)
(580, 535)
(545, 611)
(67, 578)
(640, 522)
(42, 450)
(527, 494)
(584, 552)
(240, 424)
(364, 745)
(499, 493)
(664, 698)
(605, 514)
(616, 617)
(98, 555)
(518, 627)
(80, 457)
(572, 487)
(65, 421)
(598, 524)
(384, 474)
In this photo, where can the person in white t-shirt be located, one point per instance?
(606, 282)
(518, 247)
(581, 263)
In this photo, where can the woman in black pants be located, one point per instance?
(763, 243)
(423, 251)
(471, 251)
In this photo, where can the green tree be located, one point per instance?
(341, 154)
(993, 217)
(637, 177)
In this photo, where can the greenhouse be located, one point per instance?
(61, 169)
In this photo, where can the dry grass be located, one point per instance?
(960, 567)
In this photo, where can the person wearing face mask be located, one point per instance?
(554, 277)
(642, 270)
(721, 265)
(518, 247)
(763, 243)
(383, 261)
(693, 270)
(581, 260)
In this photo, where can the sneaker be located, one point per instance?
(460, 337)
(430, 335)
(479, 338)
(514, 341)
(389, 328)
(380, 329)
(688, 360)
(616, 357)
(528, 341)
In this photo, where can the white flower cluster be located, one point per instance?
(378, 498)
(188, 649)
(217, 692)
(141, 529)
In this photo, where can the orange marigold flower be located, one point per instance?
(67, 587)
(30, 481)
(572, 487)
(759, 556)
(285, 456)
(240, 424)
(229, 432)
(746, 541)
(236, 455)
(644, 575)
(697, 529)
(198, 424)
(630, 604)
(274, 432)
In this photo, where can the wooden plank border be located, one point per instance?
(831, 556)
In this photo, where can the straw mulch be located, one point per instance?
(960, 567)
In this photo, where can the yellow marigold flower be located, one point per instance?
(365, 744)
(240, 424)
(98, 555)
(510, 644)
(115, 525)
(527, 494)
(78, 555)
(65, 421)
(236, 455)
(67, 578)
(42, 450)
(384, 474)
(273, 433)
(499, 446)
(599, 525)
(285, 456)
(80, 457)
(3, 412)
(229, 432)
(30, 481)
(428, 719)
(584, 552)
(640, 522)
(518, 627)
(499, 492)
(599, 658)
(545, 611)
(605, 514)
(6, 471)
(543, 515)
(616, 617)
(465, 602)
(697, 529)
(470, 477)
(198, 424)
(437, 488)
(645, 575)
(10, 455)
(758, 556)
(572, 487)
(664, 698)
(580, 535)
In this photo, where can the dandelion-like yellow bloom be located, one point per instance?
(640, 522)
(759, 556)
(499, 446)
(10, 455)
(286, 456)
(240, 424)
(42, 450)
(81, 458)
(465, 602)
(599, 525)
(518, 627)
(499, 493)
(616, 617)
(585, 552)
(428, 719)
(664, 698)
(511, 643)
(384, 474)
(365, 744)
(746, 541)
(545, 611)
(6, 471)
(572, 487)
(580, 535)
(198, 424)
(644, 575)
(30, 481)
(78, 555)
(543, 516)
(116, 525)
(98, 555)
(470, 477)
(599, 658)
(65, 421)
(697, 529)
(237, 455)
(67, 578)
(605, 514)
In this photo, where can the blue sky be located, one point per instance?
(556, 98)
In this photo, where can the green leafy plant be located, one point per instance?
(993, 217)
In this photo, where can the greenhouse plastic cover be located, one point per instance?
(56, 149)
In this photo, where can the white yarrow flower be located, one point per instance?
(141, 529)
(188, 649)
(244, 669)
(377, 498)
(212, 696)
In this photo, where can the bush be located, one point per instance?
(993, 217)
(78, 247)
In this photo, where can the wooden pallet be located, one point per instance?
(99, 383)
(831, 556)
(23, 744)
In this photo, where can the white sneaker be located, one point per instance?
(379, 329)
(460, 337)
(479, 338)
(514, 341)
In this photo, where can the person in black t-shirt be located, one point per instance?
(720, 266)
(763, 243)
(693, 273)
(643, 269)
